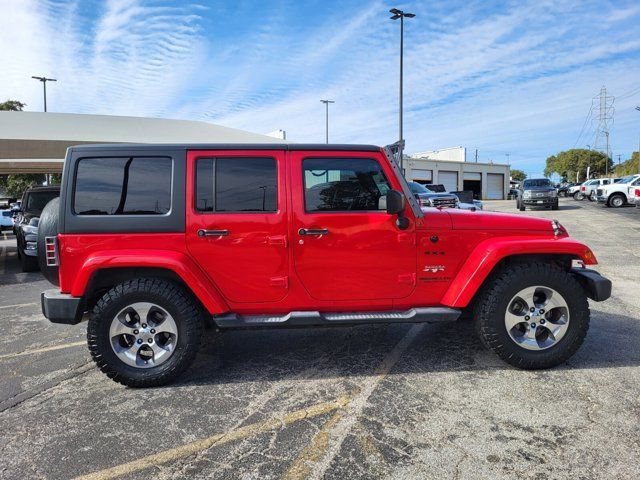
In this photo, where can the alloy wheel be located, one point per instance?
(537, 318)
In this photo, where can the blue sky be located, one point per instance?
(504, 77)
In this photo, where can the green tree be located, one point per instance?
(517, 175)
(630, 167)
(15, 185)
(576, 161)
(13, 105)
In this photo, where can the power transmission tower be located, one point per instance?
(604, 104)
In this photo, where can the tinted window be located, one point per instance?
(123, 186)
(36, 201)
(336, 184)
(242, 184)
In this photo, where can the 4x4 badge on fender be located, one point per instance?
(433, 268)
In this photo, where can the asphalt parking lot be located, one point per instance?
(401, 401)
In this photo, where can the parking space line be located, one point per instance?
(317, 456)
(19, 305)
(197, 446)
(43, 349)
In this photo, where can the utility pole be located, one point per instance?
(605, 115)
(508, 157)
(618, 159)
(399, 14)
(606, 164)
(44, 81)
(476, 155)
(638, 109)
(326, 103)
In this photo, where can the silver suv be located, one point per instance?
(537, 192)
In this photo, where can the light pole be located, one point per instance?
(326, 103)
(399, 14)
(44, 81)
(508, 155)
(638, 109)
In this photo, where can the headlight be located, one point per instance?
(30, 230)
(526, 194)
(553, 193)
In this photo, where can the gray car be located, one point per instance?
(537, 192)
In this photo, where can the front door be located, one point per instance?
(346, 246)
(237, 222)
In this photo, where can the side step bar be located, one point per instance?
(313, 319)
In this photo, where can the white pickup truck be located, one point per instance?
(618, 194)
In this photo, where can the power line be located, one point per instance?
(586, 120)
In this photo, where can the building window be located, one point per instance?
(343, 185)
(236, 184)
(123, 186)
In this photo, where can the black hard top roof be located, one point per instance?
(39, 188)
(227, 146)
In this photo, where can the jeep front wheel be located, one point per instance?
(144, 332)
(533, 315)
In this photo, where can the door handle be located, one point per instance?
(313, 231)
(212, 233)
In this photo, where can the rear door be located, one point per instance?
(237, 221)
(346, 246)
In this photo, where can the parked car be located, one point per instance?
(564, 190)
(466, 200)
(617, 194)
(433, 196)
(157, 240)
(26, 224)
(588, 188)
(537, 192)
(6, 219)
(634, 196)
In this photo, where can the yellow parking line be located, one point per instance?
(19, 305)
(218, 439)
(43, 349)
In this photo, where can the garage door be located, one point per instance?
(449, 180)
(495, 186)
(418, 175)
(475, 176)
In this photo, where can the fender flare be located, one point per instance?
(183, 266)
(487, 254)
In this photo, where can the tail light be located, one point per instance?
(637, 194)
(51, 250)
(584, 189)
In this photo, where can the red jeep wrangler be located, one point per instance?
(156, 240)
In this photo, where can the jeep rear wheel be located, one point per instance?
(144, 332)
(533, 315)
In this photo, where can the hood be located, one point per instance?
(481, 220)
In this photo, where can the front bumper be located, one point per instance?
(601, 199)
(598, 288)
(61, 307)
(546, 201)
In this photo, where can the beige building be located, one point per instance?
(34, 142)
(488, 181)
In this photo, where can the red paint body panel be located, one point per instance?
(365, 263)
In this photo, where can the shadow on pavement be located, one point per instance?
(268, 355)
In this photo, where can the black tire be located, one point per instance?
(27, 263)
(521, 207)
(617, 200)
(555, 206)
(174, 299)
(48, 227)
(493, 302)
(578, 196)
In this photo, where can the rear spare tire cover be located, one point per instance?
(48, 227)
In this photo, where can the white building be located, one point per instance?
(448, 166)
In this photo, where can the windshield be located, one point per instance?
(542, 182)
(417, 188)
(36, 201)
(436, 188)
(627, 179)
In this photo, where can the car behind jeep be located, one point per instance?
(537, 192)
(25, 226)
(153, 242)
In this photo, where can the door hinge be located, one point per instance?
(282, 282)
(277, 240)
(407, 278)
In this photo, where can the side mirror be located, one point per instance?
(395, 202)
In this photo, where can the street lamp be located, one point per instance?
(44, 81)
(326, 103)
(399, 14)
